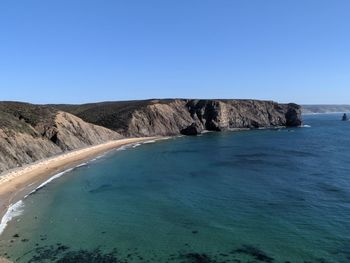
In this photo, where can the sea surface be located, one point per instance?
(252, 196)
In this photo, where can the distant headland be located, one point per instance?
(313, 109)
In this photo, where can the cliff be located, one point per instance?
(176, 116)
(30, 132)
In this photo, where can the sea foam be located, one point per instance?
(13, 211)
(150, 141)
(81, 165)
(48, 181)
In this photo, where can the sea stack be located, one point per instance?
(345, 117)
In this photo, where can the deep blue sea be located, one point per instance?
(251, 196)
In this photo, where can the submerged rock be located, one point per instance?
(197, 258)
(254, 252)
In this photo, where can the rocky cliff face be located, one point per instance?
(172, 117)
(29, 133)
(32, 132)
(70, 132)
(218, 115)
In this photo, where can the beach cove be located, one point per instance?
(262, 195)
(18, 183)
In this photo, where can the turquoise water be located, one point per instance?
(254, 196)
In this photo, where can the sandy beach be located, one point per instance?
(17, 183)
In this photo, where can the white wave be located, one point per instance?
(150, 141)
(136, 145)
(53, 178)
(13, 211)
(80, 165)
(98, 157)
(122, 148)
(49, 181)
(305, 126)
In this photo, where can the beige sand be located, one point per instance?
(17, 183)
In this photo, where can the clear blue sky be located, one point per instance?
(73, 51)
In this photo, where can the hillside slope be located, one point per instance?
(175, 116)
(31, 132)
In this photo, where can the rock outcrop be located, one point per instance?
(193, 129)
(181, 116)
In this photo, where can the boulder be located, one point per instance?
(193, 129)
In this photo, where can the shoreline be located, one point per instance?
(18, 183)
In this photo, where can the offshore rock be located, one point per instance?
(345, 117)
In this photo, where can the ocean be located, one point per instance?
(252, 196)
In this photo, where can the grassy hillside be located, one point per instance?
(22, 117)
(30, 113)
(113, 115)
(32, 132)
